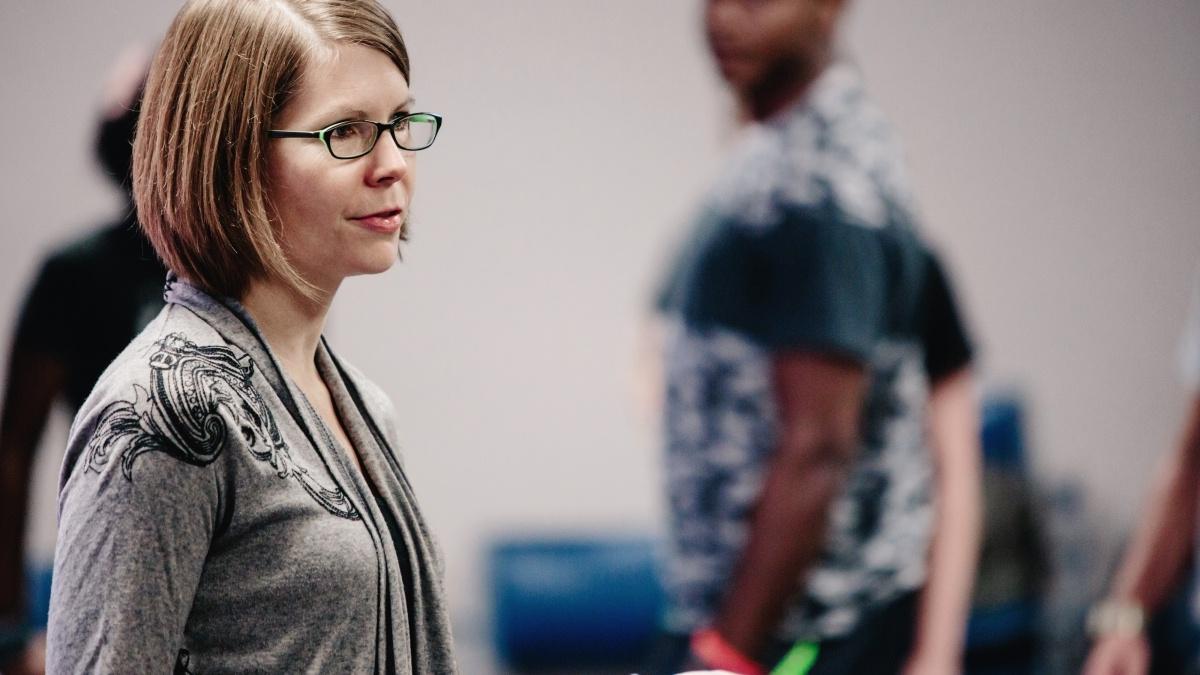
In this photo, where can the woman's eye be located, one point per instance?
(347, 131)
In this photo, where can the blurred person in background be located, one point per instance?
(1162, 546)
(821, 418)
(90, 298)
(232, 498)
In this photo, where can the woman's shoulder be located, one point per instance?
(171, 331)
(154, 391)
(373, 396)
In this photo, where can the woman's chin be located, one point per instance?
(379, 261)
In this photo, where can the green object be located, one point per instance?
(799, 660)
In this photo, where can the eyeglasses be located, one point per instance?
(355, 138)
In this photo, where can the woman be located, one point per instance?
(231, 497)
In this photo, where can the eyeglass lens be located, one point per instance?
(358, 138)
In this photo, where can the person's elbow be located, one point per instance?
(815, 454)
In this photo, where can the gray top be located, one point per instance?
(208, 521)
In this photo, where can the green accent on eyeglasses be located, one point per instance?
(352, 139)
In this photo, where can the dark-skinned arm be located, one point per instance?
(34, 380)
(1158, 553)
(819, 399)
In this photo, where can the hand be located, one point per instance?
(693, 664)
(709, 650)
(1119, 655)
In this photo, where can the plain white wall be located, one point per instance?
(1055, 148)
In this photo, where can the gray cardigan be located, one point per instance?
(209, 523)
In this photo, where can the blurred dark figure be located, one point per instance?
(1160, 551)
(89, 299)
(821, 419)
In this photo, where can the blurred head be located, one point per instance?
(223, 203)
(762, 46)
(119, 115)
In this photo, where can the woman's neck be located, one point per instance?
(291, 324)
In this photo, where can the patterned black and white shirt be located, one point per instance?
(807, 242)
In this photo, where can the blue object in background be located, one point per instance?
(1002, 436)
(37, 589)
(13, 639)
(571, 601)
(574, 602)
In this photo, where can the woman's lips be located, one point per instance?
(385, 222)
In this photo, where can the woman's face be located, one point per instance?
(341, 217)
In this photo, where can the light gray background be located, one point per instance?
(1055, 148)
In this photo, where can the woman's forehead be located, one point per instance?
(350, 79)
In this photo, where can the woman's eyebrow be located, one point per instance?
(350, 112)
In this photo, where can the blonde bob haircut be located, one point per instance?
(223, 72)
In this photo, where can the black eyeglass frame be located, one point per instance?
(380, 127)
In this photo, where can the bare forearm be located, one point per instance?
(819, 399)
(1158, 552)
(34, 380)
(945, 601)
(946, 598)
(14, 502)
(1154, 560)
(786, 537)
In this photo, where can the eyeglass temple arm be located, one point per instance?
(293, 134)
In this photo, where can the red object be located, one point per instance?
(716, 652)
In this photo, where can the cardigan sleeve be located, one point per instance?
(137, 513)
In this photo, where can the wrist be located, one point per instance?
(937, 649)
(926, 654)
(716, 652)
(1116, 617)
